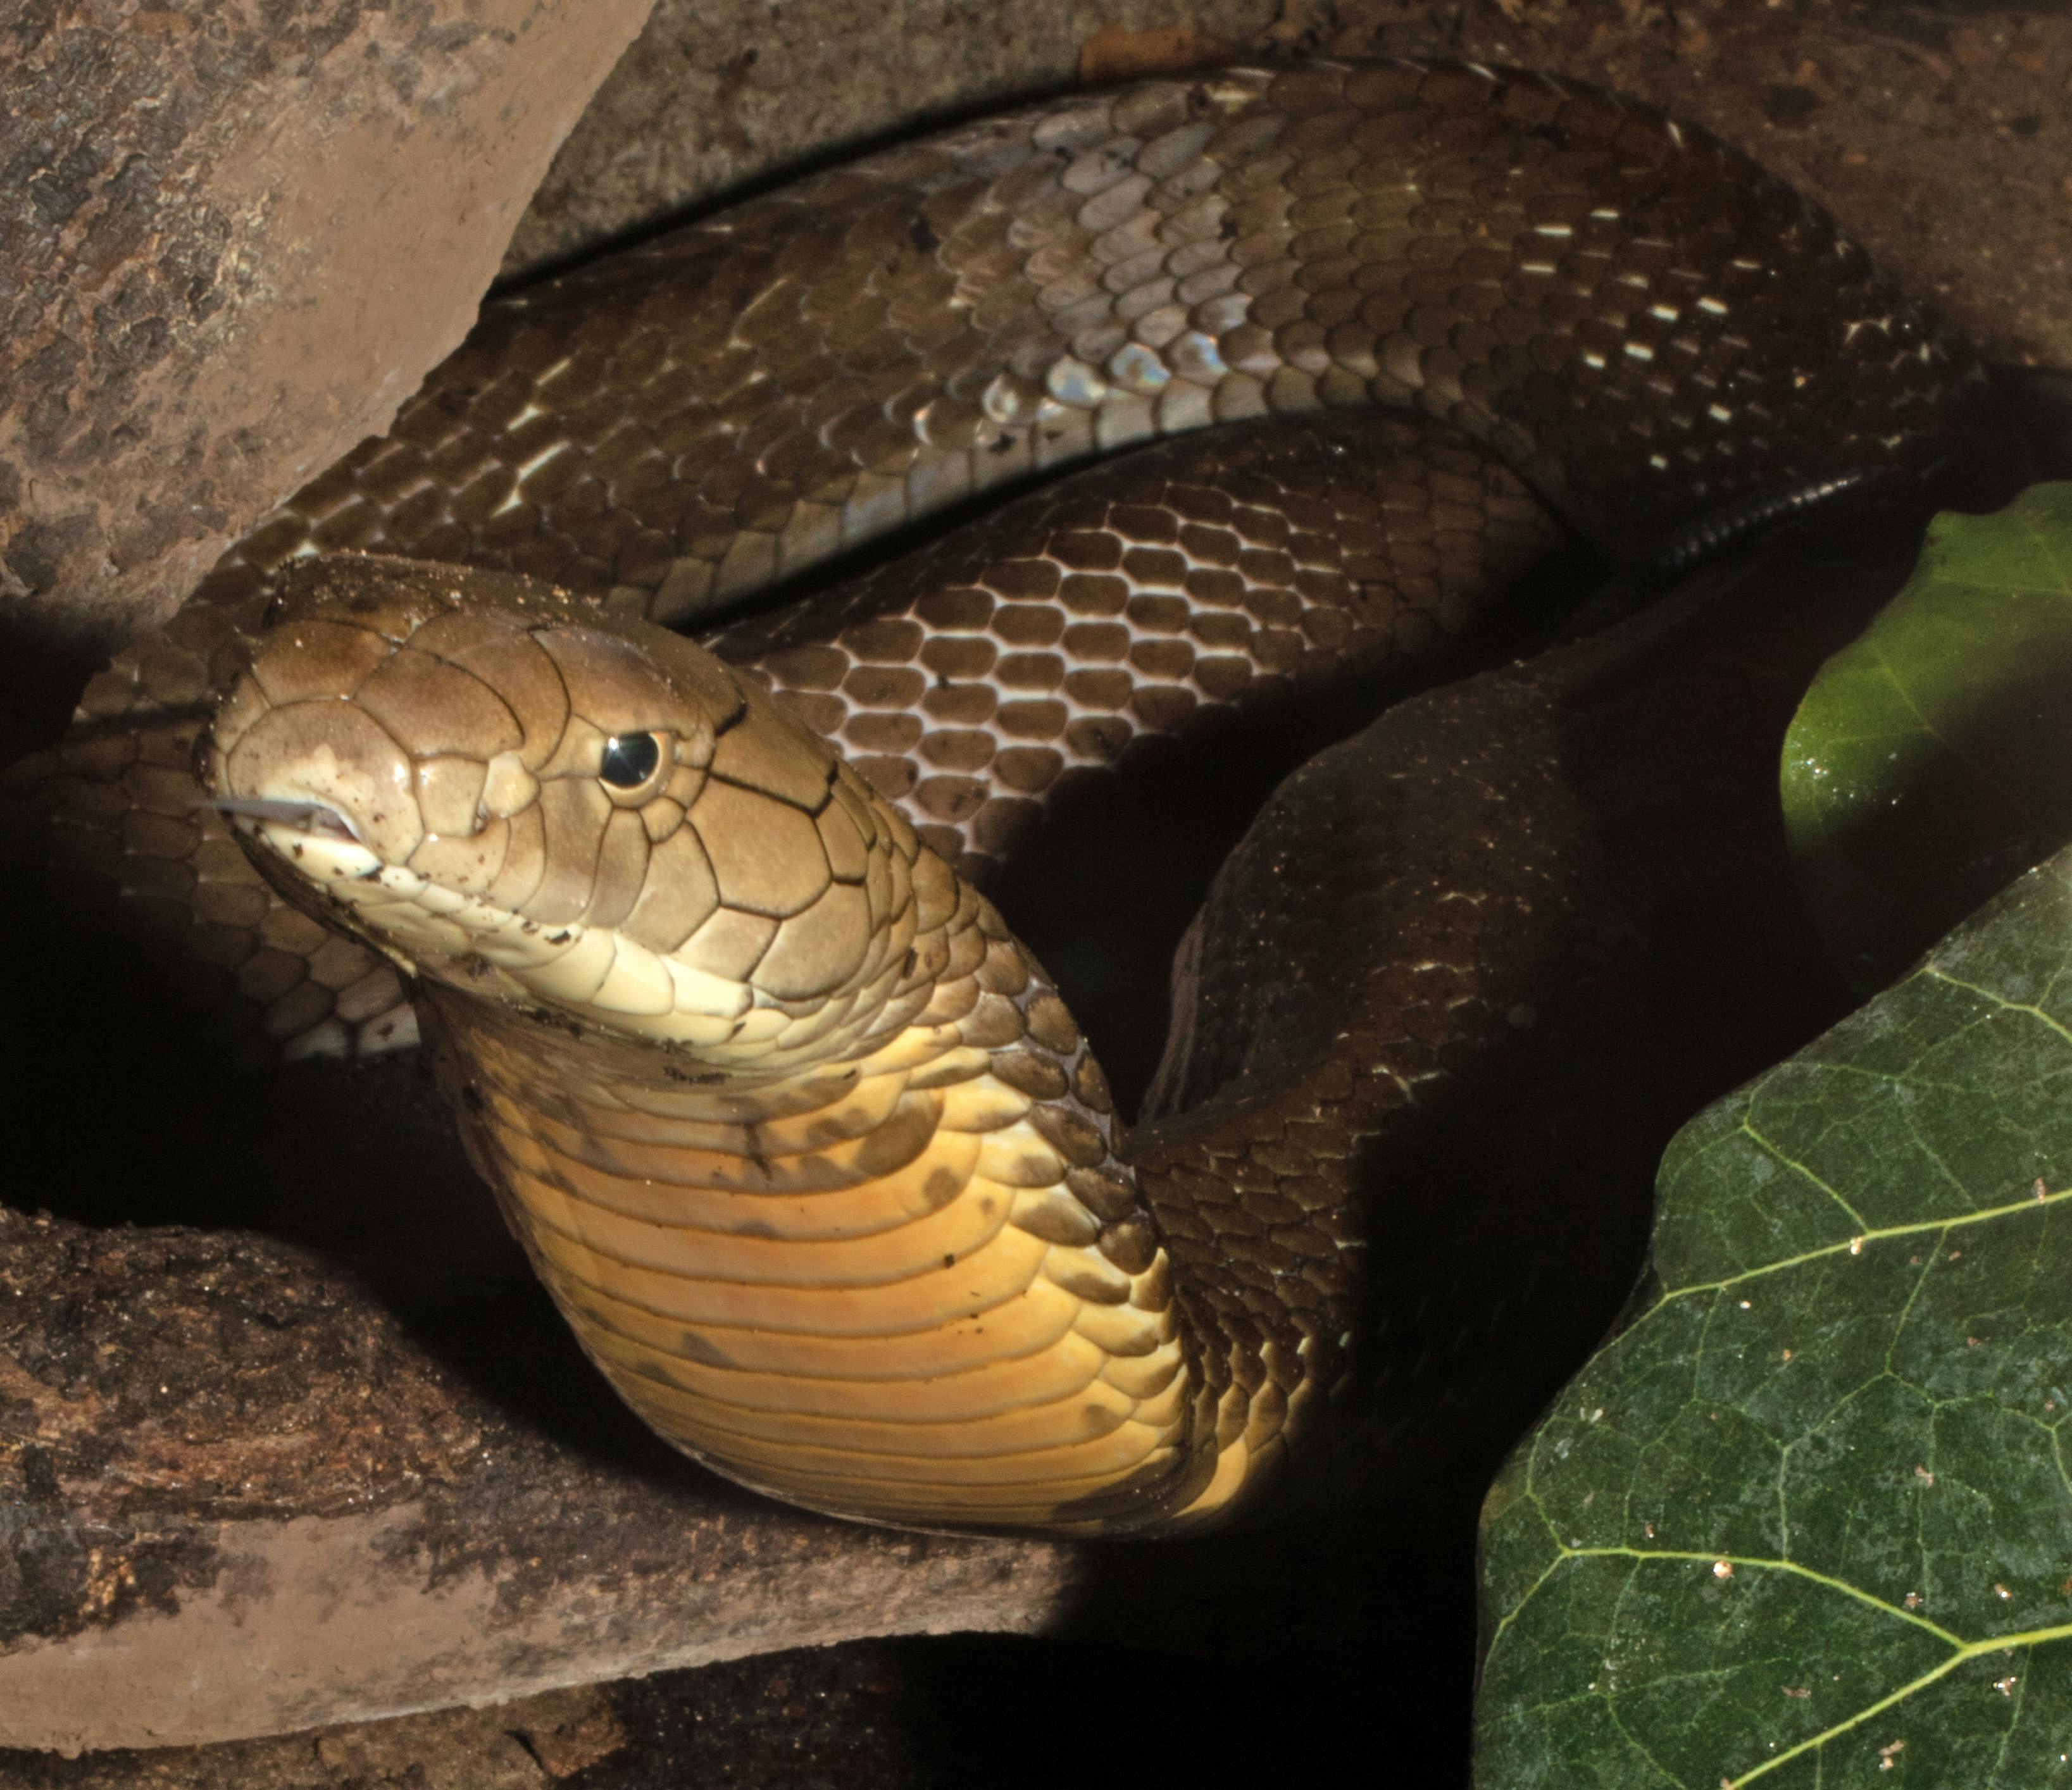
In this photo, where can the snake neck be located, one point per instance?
(911, 1282)
(805, 1146)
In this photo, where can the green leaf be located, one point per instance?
(1806, 1520)
(1928, 763)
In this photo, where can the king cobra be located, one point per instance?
(803, 1143)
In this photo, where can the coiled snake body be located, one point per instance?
(803, 1142)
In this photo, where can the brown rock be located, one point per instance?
(244, 1501)
(1113, 53)
(238, 237)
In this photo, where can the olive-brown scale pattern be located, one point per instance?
(109, 815)
(970, 682)
(1637, 318)
(1312, 1144)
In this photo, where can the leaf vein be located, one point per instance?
(1855, 1245)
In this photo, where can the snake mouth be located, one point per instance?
(319, 820)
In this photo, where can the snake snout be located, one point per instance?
(325, 785)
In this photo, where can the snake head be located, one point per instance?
(513, 792)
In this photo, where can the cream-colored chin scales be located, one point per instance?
(598, 973)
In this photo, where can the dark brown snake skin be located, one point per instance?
(1562, 297)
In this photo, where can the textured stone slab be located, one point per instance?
(237, 1497)
(238, 236)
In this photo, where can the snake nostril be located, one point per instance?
(449, 790)
(507, 786)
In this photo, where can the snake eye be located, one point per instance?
(630, 759)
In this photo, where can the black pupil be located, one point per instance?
(630, 760)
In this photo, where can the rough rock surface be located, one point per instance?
(244, 1499)
(238, 236)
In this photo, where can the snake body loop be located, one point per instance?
(1662, 339)
(804, 1144)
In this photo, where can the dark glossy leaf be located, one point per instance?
(1805, 1522)
(1931, 760)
